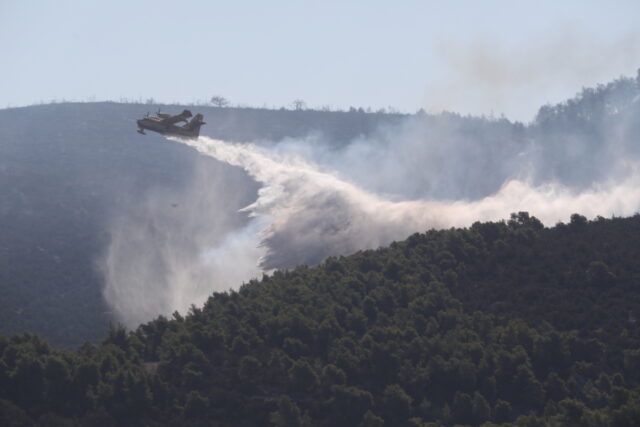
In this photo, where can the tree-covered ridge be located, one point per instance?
(499, 323)
(67, 169)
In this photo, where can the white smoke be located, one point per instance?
(313, 213)
(315, 200)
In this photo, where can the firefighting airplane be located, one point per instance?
(165, 124)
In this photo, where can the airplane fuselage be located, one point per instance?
(166, 124)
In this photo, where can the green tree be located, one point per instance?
(481, 409)
(250, 370)
(219, 101)
(287, 415)
(598, 274)
(58, 380)
(371, 420)
(28, 382)
(302, 377)
(332, 375)
(396, 403)
(348, 405)
(462, 409)
(502, 412)
(555, 387)
(196, 405)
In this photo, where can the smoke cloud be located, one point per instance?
(493, 75)
(313, 213)
(299, 201)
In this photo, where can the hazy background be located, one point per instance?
(464, 56)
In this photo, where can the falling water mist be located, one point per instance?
(314, 200)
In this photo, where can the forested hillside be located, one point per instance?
(66, 170)
(505, 323)
(69, 171)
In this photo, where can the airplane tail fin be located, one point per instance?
(194, 125)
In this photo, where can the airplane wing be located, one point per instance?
(168, 120)
(171, 120)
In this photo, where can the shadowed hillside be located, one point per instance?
(504, 323)
(68, 171)
(65, 169)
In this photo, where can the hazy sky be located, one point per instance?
(467, 56)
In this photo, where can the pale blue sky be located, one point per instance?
(468, 56)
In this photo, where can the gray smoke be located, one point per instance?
(489, 74)
(315, 200)
(313, 213)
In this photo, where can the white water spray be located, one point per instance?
(161, 260)
(313, 213)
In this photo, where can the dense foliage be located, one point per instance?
(500, 323)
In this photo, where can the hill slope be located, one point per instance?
(69, 171)
(502, 322)
(66, 170)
